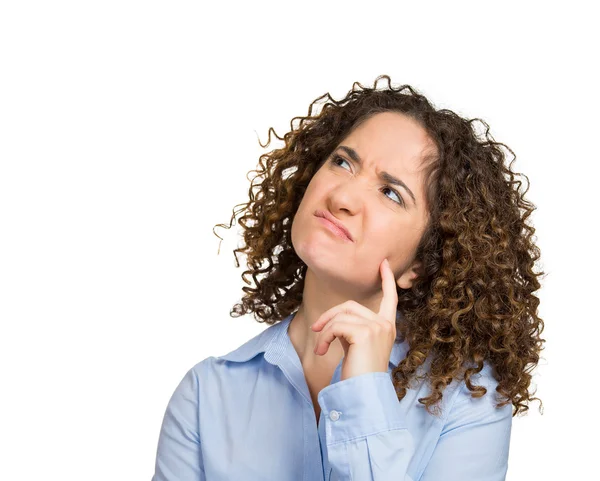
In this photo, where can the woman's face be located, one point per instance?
(382, 217)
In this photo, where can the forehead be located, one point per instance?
(390, 139)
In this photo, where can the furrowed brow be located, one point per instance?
(385, 176)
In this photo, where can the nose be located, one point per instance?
(347, 196)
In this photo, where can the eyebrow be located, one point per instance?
(385, 176)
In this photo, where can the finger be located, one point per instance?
(348, 330)
(389, 301)
(374, 326)
(348, 307)
(321, 348)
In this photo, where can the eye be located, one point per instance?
(336, 158)
(393, 191)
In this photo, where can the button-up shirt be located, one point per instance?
(249, 416)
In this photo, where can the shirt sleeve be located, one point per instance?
(366, 433)
(474, 443)
(179, 454)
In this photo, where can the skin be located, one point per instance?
(383, 224)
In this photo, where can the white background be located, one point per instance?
(126, 132)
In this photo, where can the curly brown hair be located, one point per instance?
(474, 300)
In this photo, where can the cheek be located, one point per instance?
(302, 228)
(399, 244)
(388, 238)
(378, 241)
(308, 198)
(379, 247)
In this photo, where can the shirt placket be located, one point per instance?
(312, 456)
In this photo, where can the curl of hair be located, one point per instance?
(474, 300)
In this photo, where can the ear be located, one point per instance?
(406, 279)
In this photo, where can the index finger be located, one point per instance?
(389, 301)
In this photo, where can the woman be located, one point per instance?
(392, 260)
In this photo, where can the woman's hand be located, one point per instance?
(367, 337)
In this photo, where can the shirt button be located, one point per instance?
(334, 415)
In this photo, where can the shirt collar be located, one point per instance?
(274, 341)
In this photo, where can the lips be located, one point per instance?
(327, 215)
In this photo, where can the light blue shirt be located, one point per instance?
(248, 416)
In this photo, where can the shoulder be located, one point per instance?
(234, 363)
(195, 374)
(486, 379)
(467, 409)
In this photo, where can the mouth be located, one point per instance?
(334, 225)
